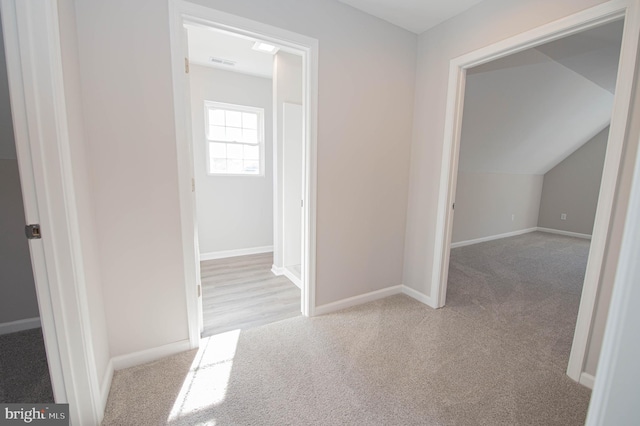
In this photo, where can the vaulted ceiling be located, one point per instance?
(525, 113)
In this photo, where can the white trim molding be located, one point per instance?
(358, 300)
(614, 400)
(107, 378)
(148, 355)
(235, 253)
(19, 325)
(372, 296)
(277, 270)
(420, 297)
(492, 237)
(587, 380)
(519, 232)
(292, 277)
(590, 18)
(565, 233)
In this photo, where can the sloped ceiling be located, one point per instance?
(416, 16)
(525, 113)
(580, 52)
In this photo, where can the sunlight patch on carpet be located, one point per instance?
(208, 378)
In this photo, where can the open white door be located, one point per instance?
(187, 106)
(39, 110)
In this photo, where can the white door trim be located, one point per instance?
(179, 12)
(578, 22)
(34, 65)
(615, 393)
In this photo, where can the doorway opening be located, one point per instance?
(245, 123)
(527, 186)
(247, 134)
(593, 18)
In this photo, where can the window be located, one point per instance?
(235, 139)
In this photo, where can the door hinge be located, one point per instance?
(199, 290)
(453, 207)
(186, 65)
(33, 232)
(301, 203)
(193, 184)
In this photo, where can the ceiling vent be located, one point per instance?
(221, 61)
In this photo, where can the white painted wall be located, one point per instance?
(234, 212)
(363, 155)
(489, 204)
(572, 188)
(131, 158)
(486, 23)
(83, 188)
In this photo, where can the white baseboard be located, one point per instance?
(587, 380)
(234, 253)
(20, 325)
(142, 357)
(357, 300)
(277, 270)
(297, 281)
(493, 237)
(567, 233)
(420, 297)
(106, 384)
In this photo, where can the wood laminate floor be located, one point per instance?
(242, 292)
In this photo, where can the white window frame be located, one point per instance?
(240, 108)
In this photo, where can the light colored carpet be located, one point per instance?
(389, 362)
(527, 288)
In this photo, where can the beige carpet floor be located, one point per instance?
(389, 362)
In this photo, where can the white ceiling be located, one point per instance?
(205, 43)
(526, 113)
(414, 15)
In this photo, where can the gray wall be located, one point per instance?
(489, 204)
(572, 187)
(7, 146)
(17, 288)
(234, 212)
